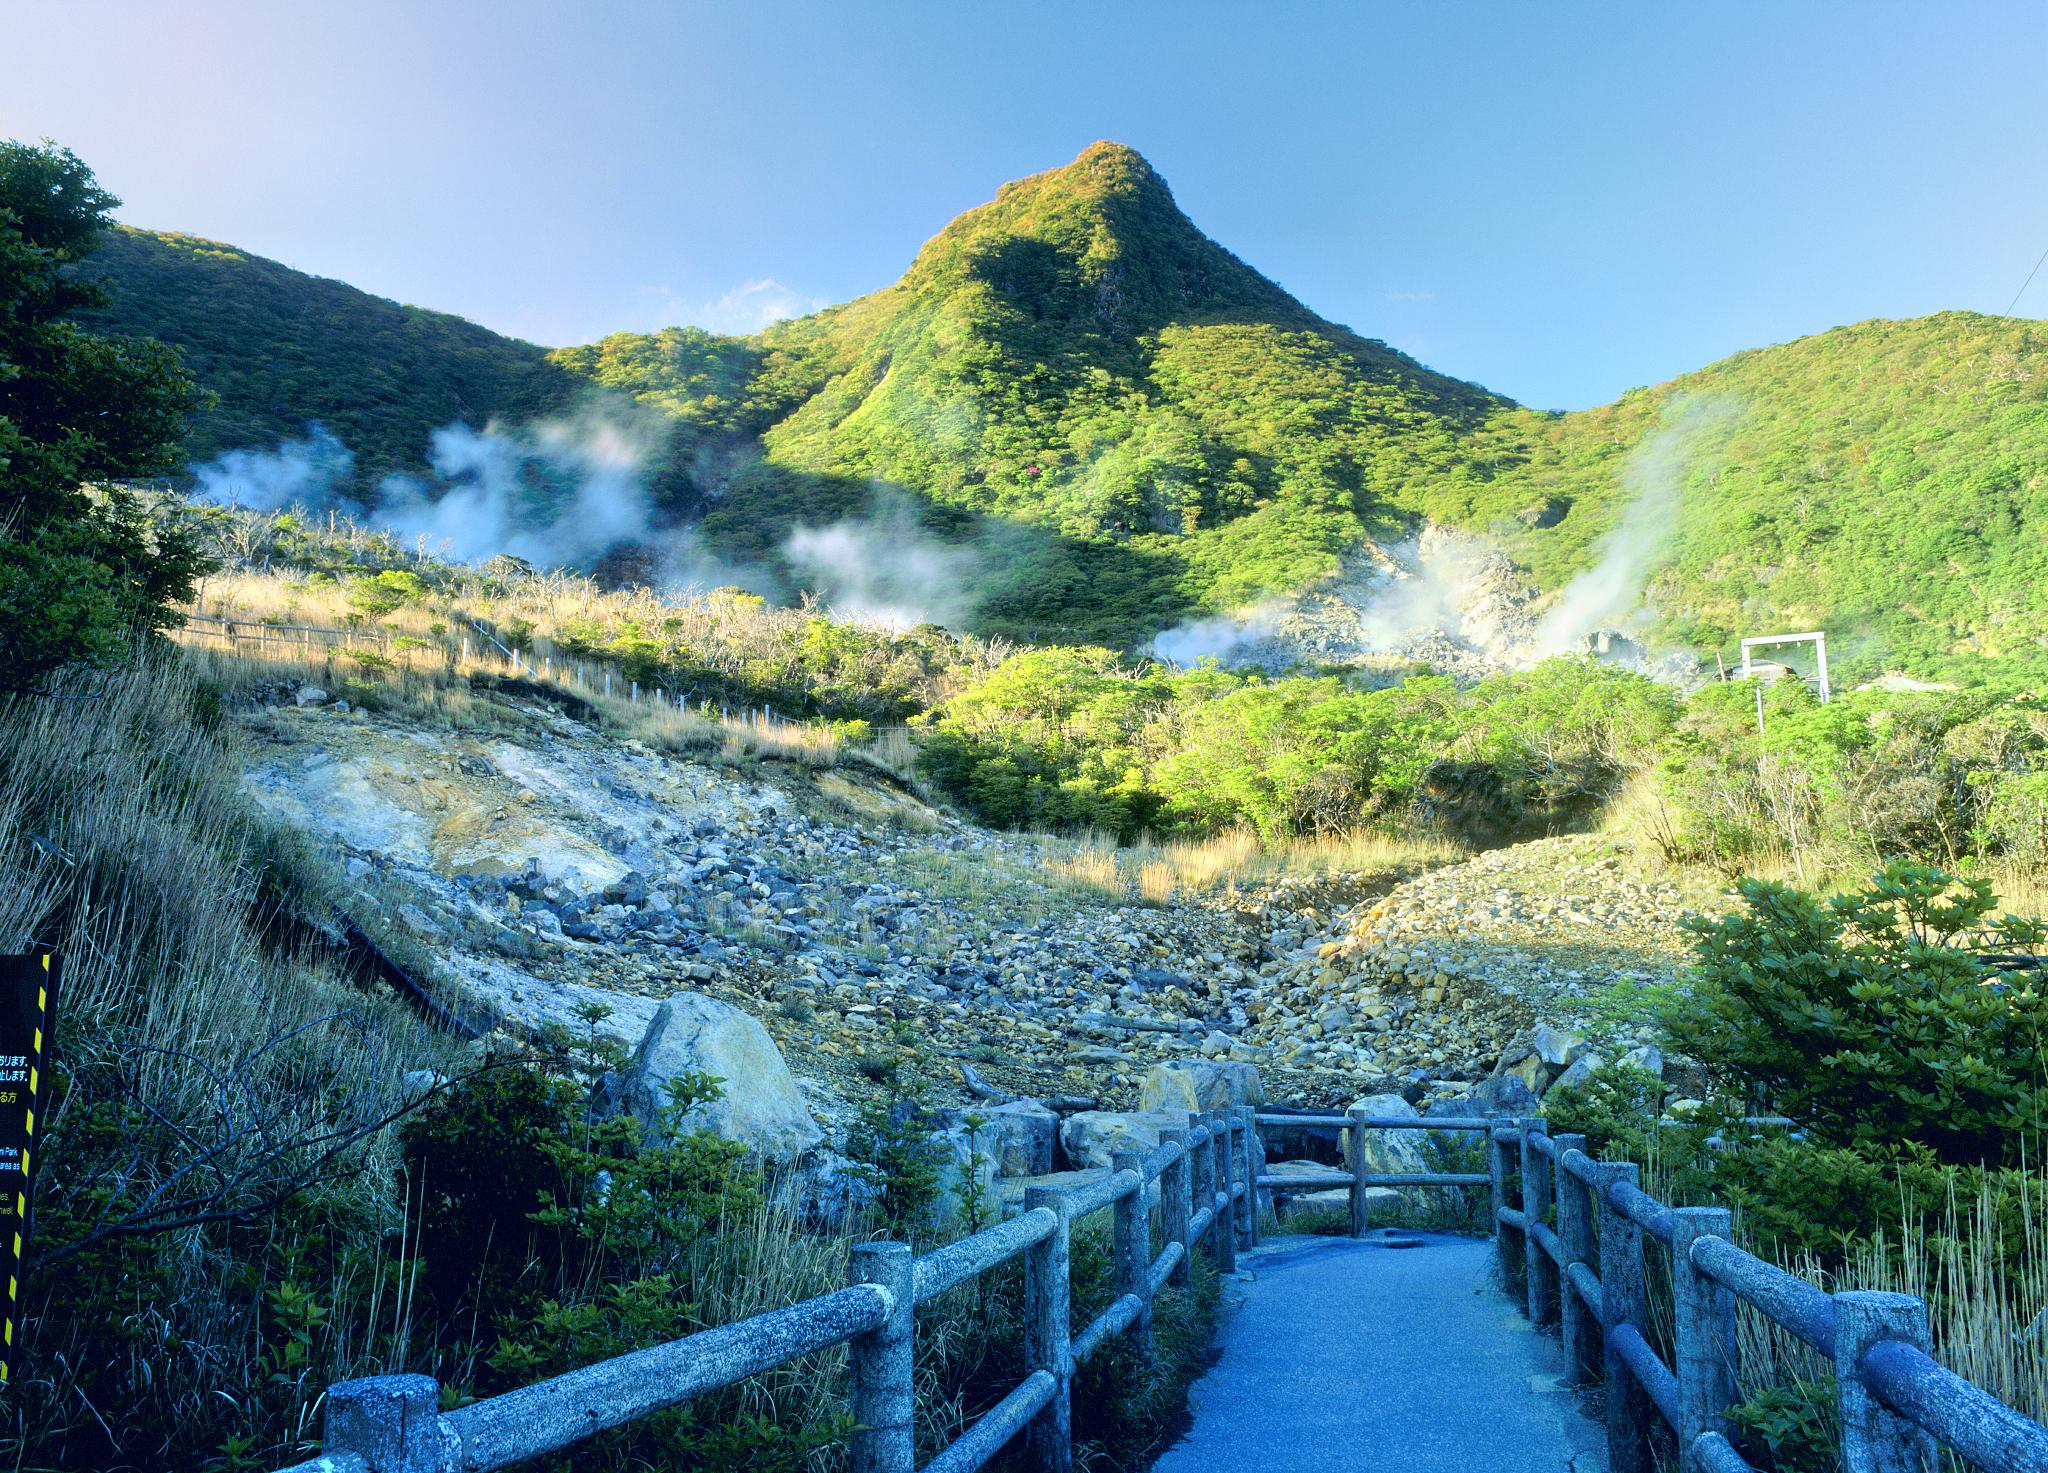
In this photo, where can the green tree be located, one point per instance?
(84, 569)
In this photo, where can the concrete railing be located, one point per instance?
(1352, 1126)
(1205, 1202)
(1586, 1274)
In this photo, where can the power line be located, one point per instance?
(2024, 285)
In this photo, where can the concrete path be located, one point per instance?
(1347, 1356)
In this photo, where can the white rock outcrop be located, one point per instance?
(761, 1106)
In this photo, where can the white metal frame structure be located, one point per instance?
(1818, 639)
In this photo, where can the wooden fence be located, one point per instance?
(1570, 1227)
(1575, 1233)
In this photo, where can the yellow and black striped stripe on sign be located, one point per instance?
(28, 996)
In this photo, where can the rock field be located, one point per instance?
(813, 927)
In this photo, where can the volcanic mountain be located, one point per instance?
(1129, 424)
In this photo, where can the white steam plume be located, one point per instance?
(560, 492)
(885, 570)
(1227, 640)
(307, 472)
(1610, 593)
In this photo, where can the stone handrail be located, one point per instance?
(1587, 1276)
(1353, 1124)
(1206, 1199)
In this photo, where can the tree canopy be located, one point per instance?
(84, 570)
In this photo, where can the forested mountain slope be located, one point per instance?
(281, 349)
(1887, 481)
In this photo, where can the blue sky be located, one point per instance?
(1557, 200)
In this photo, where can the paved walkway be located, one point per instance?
(1347, 1356)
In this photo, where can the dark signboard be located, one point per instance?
(28, 1002)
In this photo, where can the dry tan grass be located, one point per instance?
(423, 660)
(1981, 1268)
(1158, 873)
(125, 847)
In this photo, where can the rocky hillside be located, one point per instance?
(806, 933)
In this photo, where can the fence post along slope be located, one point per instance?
(1625, 1310)
(1578, 1308)
(1225, 1231)
(1047, 1348)
(1510, 1244)
(883, 1393)
(1703, 1328)
(1131, 1238)
(1174, 1191)
(1537, 1167)
(1876, 1439)
(1354, 1162)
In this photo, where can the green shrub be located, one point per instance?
(386, 592)
(1793, 1428)
(1871, 1018)
(85, 567)
(1614, 1109)
(1076, 738)
(895, 1149)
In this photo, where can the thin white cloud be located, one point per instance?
(1420, 295)
(747, 308)
(753, 305)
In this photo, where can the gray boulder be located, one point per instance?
(760, 1105)
(1685, 1079)
(1388, 1152)
(1578, 1074)
(1538, 1057)
(1091, 1137)
(1378, 1200)
(1504, 1094)
(1200, 1084)
(1021, 1138)
(967, 1196)
(1556, 1047)
(832, 1191)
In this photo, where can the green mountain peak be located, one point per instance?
(1097, 242)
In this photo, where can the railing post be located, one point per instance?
(1581, 1331)
(1704, 1316)
(1047, 1328)
(1226, 1206)
(1537, 1186)
(1623, 1301)
(1511, 1246)
(1201, 1181)
(1259, 1203)
(1875, 1439)
(880, 1361)
(393, 1423)
(1131, 1235)
(1354, 1162)
(1248, 1172)
(1174, 1191)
